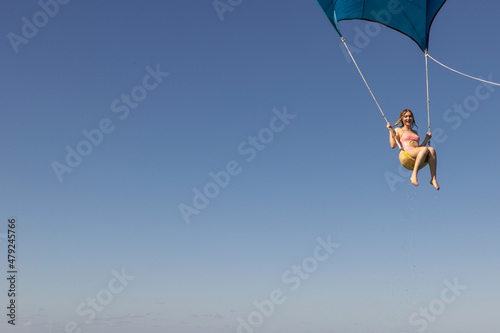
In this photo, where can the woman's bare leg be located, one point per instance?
(419, 155)
(433, 166)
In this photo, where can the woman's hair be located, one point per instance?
(400, 120)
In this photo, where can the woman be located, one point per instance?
(410, 143)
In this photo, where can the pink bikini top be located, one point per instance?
(407, 139)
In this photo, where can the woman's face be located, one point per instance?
(408, 119)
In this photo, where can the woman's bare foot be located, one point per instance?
(413, 180)
(435, 183)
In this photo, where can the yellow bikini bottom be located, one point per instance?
(409, 162)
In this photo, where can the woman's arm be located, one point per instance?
(427, 137)
(393, 136)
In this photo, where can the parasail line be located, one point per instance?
(367, 86)
(469, 76)
(428, 100)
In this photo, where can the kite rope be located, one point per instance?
(367, 86)
(366, 83)
(469, 76)
(428, 100)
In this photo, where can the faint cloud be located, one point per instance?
(95, 322)
(217, 315)
(32, 323)
(209, 315)
(119, 318)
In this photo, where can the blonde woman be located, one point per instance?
(409, 140)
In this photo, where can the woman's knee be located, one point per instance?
(432, 151)
(423, 151)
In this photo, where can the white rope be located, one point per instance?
(469, 76)
(367, 86)
(428, 100)
(427, 86)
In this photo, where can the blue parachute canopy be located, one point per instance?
(410, 17)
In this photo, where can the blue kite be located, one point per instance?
(410, 17)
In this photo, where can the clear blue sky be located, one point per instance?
(264, 99)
